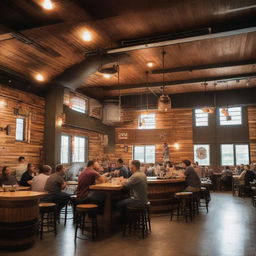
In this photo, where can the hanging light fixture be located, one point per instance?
(208, 110)
(164, 101)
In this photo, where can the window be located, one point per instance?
(201, 118)
(234, 154)
(20, 129)
(145, 154)
(233, 116)
(65, 152)
(242, 154)
(147, 121)
(202, 154)
(80, 148)
(78, 104)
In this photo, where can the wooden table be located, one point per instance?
(19, 188)
(112, 192)
(18, 218)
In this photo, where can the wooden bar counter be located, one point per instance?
(18, 218)
(161, 191)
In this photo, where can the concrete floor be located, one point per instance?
(229, 229)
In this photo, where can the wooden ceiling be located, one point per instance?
(34, 40)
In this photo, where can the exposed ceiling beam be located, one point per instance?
(187, 81)
(203, 67)
(182, 40)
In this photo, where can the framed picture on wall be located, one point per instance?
(202, 154)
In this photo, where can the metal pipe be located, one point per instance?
(182, 40)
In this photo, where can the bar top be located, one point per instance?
(106, 186)
(111, 186)
(157, 181)
(21, 195)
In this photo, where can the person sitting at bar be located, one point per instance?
(137, 185)
(20, 168)
(89, 177)
(193, 181)
(54, 186)
(122, 170)
(27, 176)
(38, 182)
(7, 178)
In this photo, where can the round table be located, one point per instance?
(18, 218)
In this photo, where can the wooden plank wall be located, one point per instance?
(96, 146)
(179, 121)
(28, 104)
(252, 131)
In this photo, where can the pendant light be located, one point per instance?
(164, 101)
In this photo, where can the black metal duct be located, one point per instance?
(74, 76)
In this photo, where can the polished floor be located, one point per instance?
(229, 229)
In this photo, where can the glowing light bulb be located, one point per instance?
(39, 77)
(86, 36)
(3, 103)
(47, 4)
(106, 76)
(177, 145)
(150, 64)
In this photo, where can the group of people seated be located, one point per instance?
(132, 178)
(243, 174)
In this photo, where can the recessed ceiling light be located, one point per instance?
(86, 36)
(39, 77)
(47, 4)
(150, 64)
(106, 76)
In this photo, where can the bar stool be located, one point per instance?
(195, 202)
(137, 220)
(81, 212)
(184, 206)
(66, 211)
(204, 195)
(73, 203)
(148, 219)
(48, 218)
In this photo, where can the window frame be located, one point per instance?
(86, 149)
(146, 128)
(195, 118)
(144, 146)
(24, 128)
(229, 124)
(69, 148)
(86, 101)
(234, 152)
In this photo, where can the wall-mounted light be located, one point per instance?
(3, 103)
(176, 145)
(7, 129)
(60, 120)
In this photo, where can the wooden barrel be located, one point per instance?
(161, 195)
(18, 223)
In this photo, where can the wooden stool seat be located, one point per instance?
(183, 194)
(86, 207)
(41, 205)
